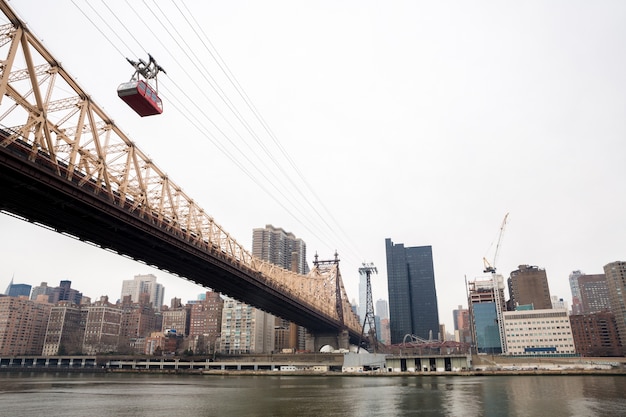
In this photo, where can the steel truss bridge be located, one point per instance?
(66, 165)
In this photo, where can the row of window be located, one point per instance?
(534, 322)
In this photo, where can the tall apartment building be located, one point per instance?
(138, 321)
(461, 321)
(615, 273)
(205, 323)
(22, 326)
(144, 284)
(102, 327)
(65, 292)
(65, 330)
(274, 245)
(573, 285)
(596, 334)
(385, 331)
(594, 293)
(245, 329)
(41, 290)
(538, 332)
(528, 285)
(382, 309)
(486, 307)
(412, 294)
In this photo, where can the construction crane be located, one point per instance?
(498, 285)
(491, 267)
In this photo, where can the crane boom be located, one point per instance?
(491, 267)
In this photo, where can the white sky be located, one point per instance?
(421, 121)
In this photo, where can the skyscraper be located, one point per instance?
(41, 289)
(412, 294)
(573, 285)
(382, 309)
(615, 273)
(528, 285)
(18, 290)
(274, 245)
(144, 284)
(594, 293)
(65, 292)
(461, 321)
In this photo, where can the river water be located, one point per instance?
(154, 395)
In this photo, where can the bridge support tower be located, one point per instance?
(314, 342)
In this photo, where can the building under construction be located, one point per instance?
(486, 305)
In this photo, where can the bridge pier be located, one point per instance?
(315, 341)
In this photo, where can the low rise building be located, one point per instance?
(538, 332)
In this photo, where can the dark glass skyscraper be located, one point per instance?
(412, 294)
(18, 290)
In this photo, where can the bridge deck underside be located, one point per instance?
(38, 194)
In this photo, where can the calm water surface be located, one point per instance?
(75, 395)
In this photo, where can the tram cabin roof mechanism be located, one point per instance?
(138, 93)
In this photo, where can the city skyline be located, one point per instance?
(411, 310)
(518, 110)
(190, 291)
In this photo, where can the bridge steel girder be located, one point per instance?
(65, 164)
(39, 194)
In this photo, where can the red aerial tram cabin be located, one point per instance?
(140, 97)
(137, 93)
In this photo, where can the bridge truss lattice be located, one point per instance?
(47, 116)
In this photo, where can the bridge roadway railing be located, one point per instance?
(70, 134)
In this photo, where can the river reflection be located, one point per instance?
(150, 395)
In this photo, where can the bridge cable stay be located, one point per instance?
(79, 145)
(199, 127)
(241, 166)
(246, 99)
(258, 140)
(145, 201)
(224, 67)
(289, 177)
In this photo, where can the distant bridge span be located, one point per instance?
(65, 164)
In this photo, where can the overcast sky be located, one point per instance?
(420, 121)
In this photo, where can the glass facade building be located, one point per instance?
(18, 290)
(486, 328)
(412, 294)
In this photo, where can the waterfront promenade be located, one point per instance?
(315, 364)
